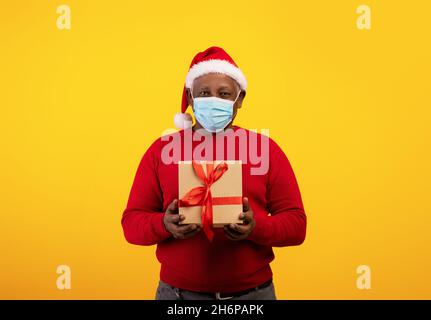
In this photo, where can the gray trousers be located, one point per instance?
(168, 292)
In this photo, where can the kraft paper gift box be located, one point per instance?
(226, 192)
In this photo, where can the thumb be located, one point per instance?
(245, 204)
(173, 207)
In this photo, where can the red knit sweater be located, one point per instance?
(222, 265)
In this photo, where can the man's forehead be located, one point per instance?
(215, 78)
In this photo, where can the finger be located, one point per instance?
(188, 232)
(173, 207)
(230, 237)
(194, 227)
(245, 204)
(232, 229)
(231, 234)
(246, 216)
(186, 228)
(239, 228)
(180, 220)
(175, 218)
(191, 233)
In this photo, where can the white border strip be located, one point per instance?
(217, 66)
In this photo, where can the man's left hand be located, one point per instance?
(235, 231)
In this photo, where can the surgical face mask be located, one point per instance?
(213, 113)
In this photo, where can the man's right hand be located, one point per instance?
(172, 219)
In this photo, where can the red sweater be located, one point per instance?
(222, 265)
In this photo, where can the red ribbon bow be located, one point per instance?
(202, 195)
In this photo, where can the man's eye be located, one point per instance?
(225, 94)
(203, 93)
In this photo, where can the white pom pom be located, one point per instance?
(183, 120)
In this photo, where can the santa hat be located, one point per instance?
(213, 59)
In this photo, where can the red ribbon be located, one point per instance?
(201, 196)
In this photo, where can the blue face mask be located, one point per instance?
(213, 113)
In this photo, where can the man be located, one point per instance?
(235, 264)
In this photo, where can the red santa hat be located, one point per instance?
(213, 59)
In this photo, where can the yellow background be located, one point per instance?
(350, 107)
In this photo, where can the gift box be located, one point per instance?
(210, 193)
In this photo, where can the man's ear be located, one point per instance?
(189, 97)
(240, 99)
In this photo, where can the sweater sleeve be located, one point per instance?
(142, 219)
(286, 226)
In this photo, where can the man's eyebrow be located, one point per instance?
(224, 87)
(203, 88)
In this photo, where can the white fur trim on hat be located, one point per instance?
(218, 66)
(183, 120)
